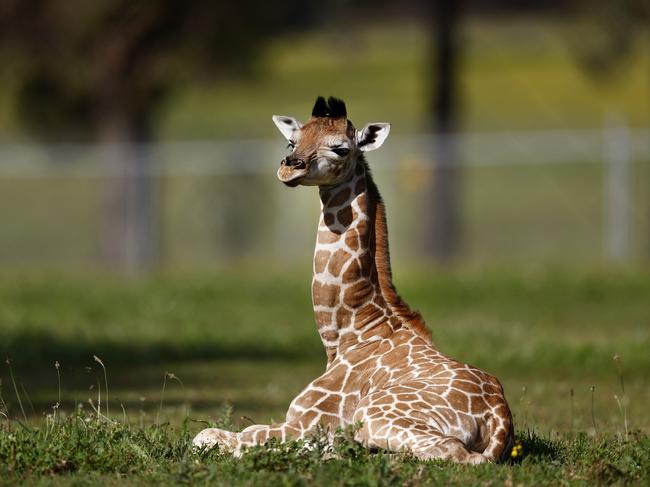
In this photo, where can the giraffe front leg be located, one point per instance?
(253, 435)
(211, 437)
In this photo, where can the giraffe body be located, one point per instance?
(382, 370)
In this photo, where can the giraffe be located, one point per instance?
(383, 371)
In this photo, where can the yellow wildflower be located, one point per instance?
(517, 450)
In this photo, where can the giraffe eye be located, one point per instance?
(291, 145)
(341, 151)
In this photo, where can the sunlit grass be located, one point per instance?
(249, 340)
(180, 349)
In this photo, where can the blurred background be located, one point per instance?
(141, 219)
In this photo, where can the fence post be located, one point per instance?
(617, 201)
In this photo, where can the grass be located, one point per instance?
(250, 339)
(178, 349)
(81, 450)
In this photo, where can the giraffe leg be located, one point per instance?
(211, 437)
(253, 435)
(398, 433)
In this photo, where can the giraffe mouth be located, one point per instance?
(292, 176)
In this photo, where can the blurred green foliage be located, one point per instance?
(516, 73)
(102, 69)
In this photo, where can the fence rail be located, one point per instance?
(527, 196)
(258, 155)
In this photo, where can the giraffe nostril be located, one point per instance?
(295, 163)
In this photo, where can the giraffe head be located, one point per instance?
(326, 149)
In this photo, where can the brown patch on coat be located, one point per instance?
(340, 198)
(323, 317)
(307, 418)
(352, 239)
(349, 405)
(309, 398)
(493, 399)
(383, 348)
(432, 393)
(337, 261)
(382, 330)
(352, 273)
(344, 216)
(379, 376)
(402, 423)
(325, 294)
(329, 335)
(320, 260)
(330, 404)
(363, 233)
(395, 356)
(409, 397)
(367, 264)
(466, 386)
(477, 404)
(492, 389)
(448, 414)
(458, 400)
(333, 379)
(343, 317)
(357, 293)
(366, 314)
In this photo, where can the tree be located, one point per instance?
(443, 237)
(100, 69)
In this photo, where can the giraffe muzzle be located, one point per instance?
(292, 171)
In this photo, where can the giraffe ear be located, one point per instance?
(372, 136)
(287, 125)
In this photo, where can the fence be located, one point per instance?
(567, 196)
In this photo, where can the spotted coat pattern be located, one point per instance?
(382, 369)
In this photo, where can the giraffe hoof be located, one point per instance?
(211, 437)
(476, 459)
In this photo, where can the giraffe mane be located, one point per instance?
(332, 108)
(377, 209)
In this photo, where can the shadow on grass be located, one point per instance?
(206, 368)
(537, 448)
(34, 351)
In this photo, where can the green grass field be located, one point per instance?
(534, 302)
(248, 341)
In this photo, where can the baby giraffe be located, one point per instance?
(382, 371)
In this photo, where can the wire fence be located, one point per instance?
(563, 196)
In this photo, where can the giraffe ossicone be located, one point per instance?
(383, 371)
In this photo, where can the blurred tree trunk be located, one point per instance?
(443, 234)
(130, 237)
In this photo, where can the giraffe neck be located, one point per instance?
(352, 290)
